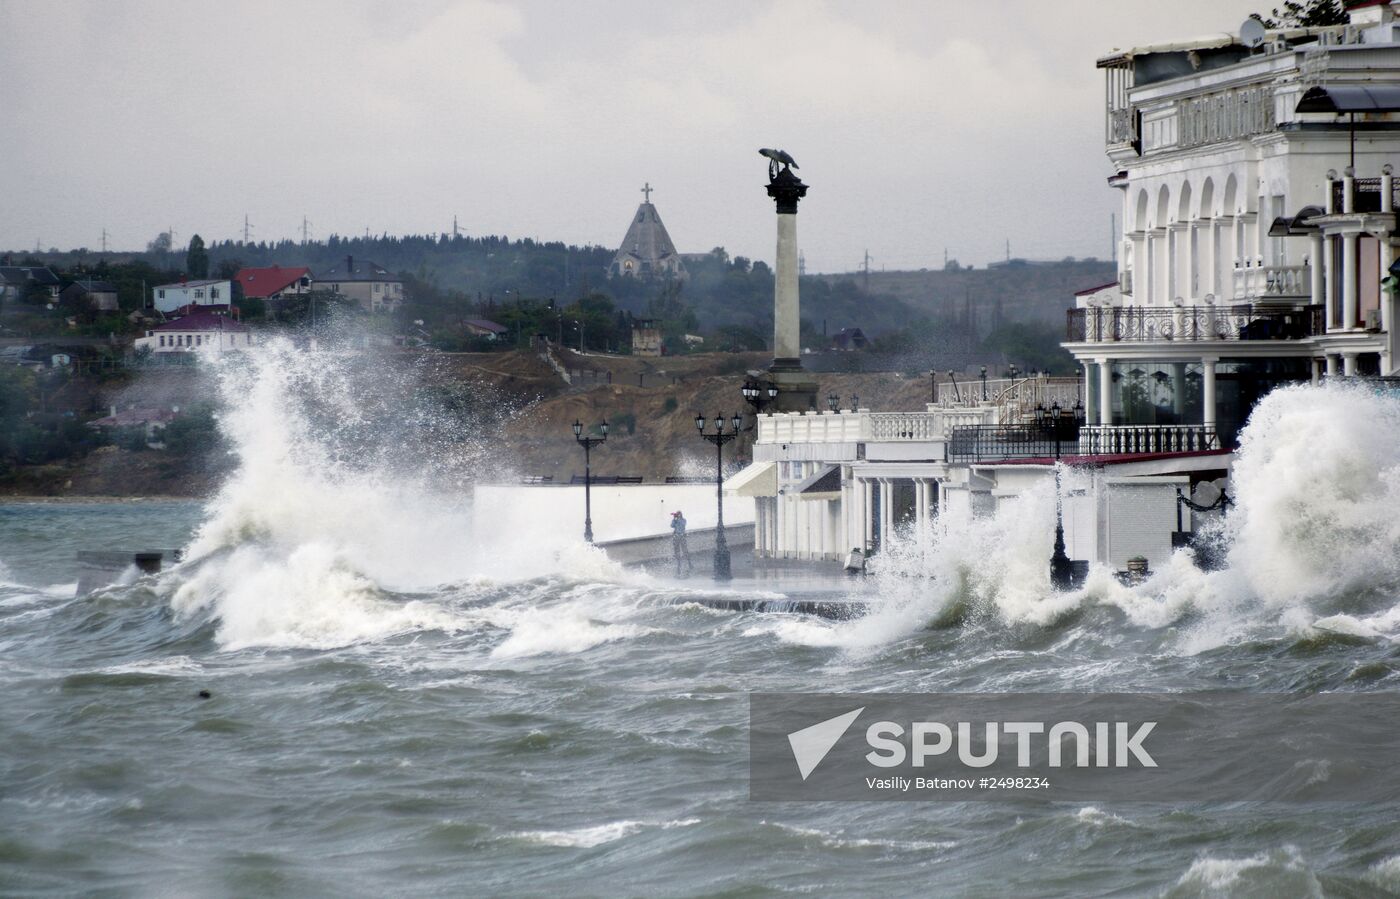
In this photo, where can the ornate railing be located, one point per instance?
(988, 443)
(1367, 194)
(1114, 440)
(1240, 322)
(857, 427)
(1274, 282)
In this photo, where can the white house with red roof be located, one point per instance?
(273, 282)
(200, 331)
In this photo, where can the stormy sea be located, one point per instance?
(401, 704)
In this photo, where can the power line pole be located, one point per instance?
(104, 240)
(247, 228)
(865, 268)
(305, 230)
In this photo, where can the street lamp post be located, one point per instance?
(759, 393)
(984, 383)
(588, 443)
(719, 438)
(833, 402)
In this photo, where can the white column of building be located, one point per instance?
(1349, 281)
(1212, 264)
(760, 527)
(1191, 284)
(886, 511)
(1139, 251)
(1208, 392)
(1173, 286)
(1349, 364)
(1332, 369)
(1317, 250)
(828, 528)
(868, 521)
(1091, 408)
(1161, 267)
(1105, 391)
(844, 543)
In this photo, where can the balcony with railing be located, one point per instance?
(1123, 440)
(1287, 283)
(1191, 323)
(865, 426)
(1366, 194)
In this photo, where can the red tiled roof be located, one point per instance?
(264, 282)
(202, 321)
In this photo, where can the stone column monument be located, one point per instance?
(797, 392)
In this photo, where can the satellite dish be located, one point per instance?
(1252, 33)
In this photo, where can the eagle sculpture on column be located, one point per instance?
(776, 158)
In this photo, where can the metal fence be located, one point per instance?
(984, 443)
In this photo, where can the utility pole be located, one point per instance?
(305, 230)
(104, 240)
(247, 228)
(454, 227)
(865, 268)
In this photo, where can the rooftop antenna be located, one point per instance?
(1253, 33)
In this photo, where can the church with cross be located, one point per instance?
(647, 250)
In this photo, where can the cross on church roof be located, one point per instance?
(646, 190)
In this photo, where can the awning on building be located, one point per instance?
(824, 484)
(759, 479)
(1298, 224)
(1351, 98)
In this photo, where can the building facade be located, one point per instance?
(367, 283)
(170, 297)
(274, 282)
(199, 331)
(1257, 228)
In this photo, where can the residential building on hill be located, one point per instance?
(274, 282)
(367, 283)
(17, 281)
(198, 331)
(97, 295)
(646, 338)
(209, 292)
(480, 327)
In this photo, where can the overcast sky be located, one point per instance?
(920, 126)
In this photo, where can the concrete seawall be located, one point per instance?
(654, 550)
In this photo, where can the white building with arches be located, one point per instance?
(1258, 220)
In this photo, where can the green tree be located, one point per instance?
(1306, 14)
(197, 258)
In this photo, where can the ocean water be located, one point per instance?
(400, 706)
